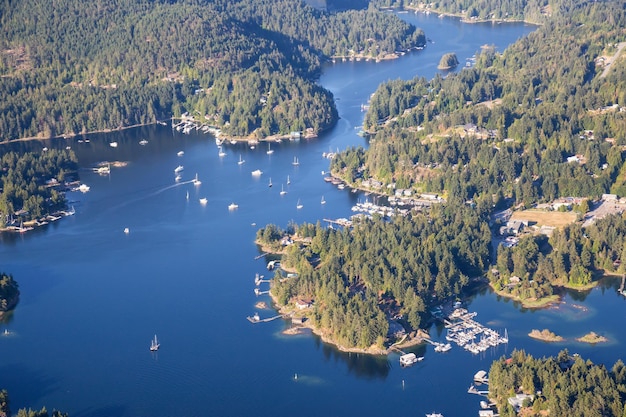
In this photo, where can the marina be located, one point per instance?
(471, 335)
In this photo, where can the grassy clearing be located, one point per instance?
(545, 218)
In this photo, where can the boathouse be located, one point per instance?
(408, 359)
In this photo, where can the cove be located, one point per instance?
(93, 296)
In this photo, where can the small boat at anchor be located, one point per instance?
(299, 205)
(233, 206)
(154, 345)
(241, 161)
(323, 201)
(282, 190)
(295, 162)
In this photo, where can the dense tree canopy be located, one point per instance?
(365, 275)
(562, 386)
(507, 126)
(246, 66)
(30, 183)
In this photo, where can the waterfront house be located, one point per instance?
(301, 303)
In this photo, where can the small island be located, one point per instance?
(592, 338)
(9, 293)
(545, 335)
(448, 61)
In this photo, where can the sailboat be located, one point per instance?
(323, 201)
(295, 161)
(155, 345)
(269, 150)
(221, 151)
(288, 180)
(196, 181)
(241, 161)
(187, 195)
(299, 205)
(270, 184)
(282, 190)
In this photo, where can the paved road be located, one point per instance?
(612, 59)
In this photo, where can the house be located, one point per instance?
(301, 304)
(609, 197)
(513, 227)
(518, 401)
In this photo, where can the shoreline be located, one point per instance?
(372, 350)
(546, 301)
(464, 19)
(545, 335)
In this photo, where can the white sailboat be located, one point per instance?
(282, 190)
(299, 205)
(288, 180)
(187, 195)
(196, 181)
(233, 206)
(270, 184)
(221, 152)
(269, 149)
(323, 201)
(295, 161)
(241, 161)
(155, 345)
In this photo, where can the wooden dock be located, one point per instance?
(257, 319)
(256, 258)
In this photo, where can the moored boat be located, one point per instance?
(154, 345)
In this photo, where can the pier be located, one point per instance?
(340, 222)
(258, 279)
(463, 331)
(256, 258)
(257, 319)
(258, 292)
(473, 390)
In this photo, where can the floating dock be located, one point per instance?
(257, 319)
(463, 331)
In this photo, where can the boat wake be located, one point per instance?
(149, 195)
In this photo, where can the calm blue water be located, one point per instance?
(93, 297)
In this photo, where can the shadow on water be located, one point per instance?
(7, 317)
(360, 365)
(18, 380)
(111, 410)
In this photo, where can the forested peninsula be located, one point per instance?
(247, 67)
(558, 386)
(542, 122)
(33, 185)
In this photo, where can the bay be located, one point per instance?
(94, 296)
